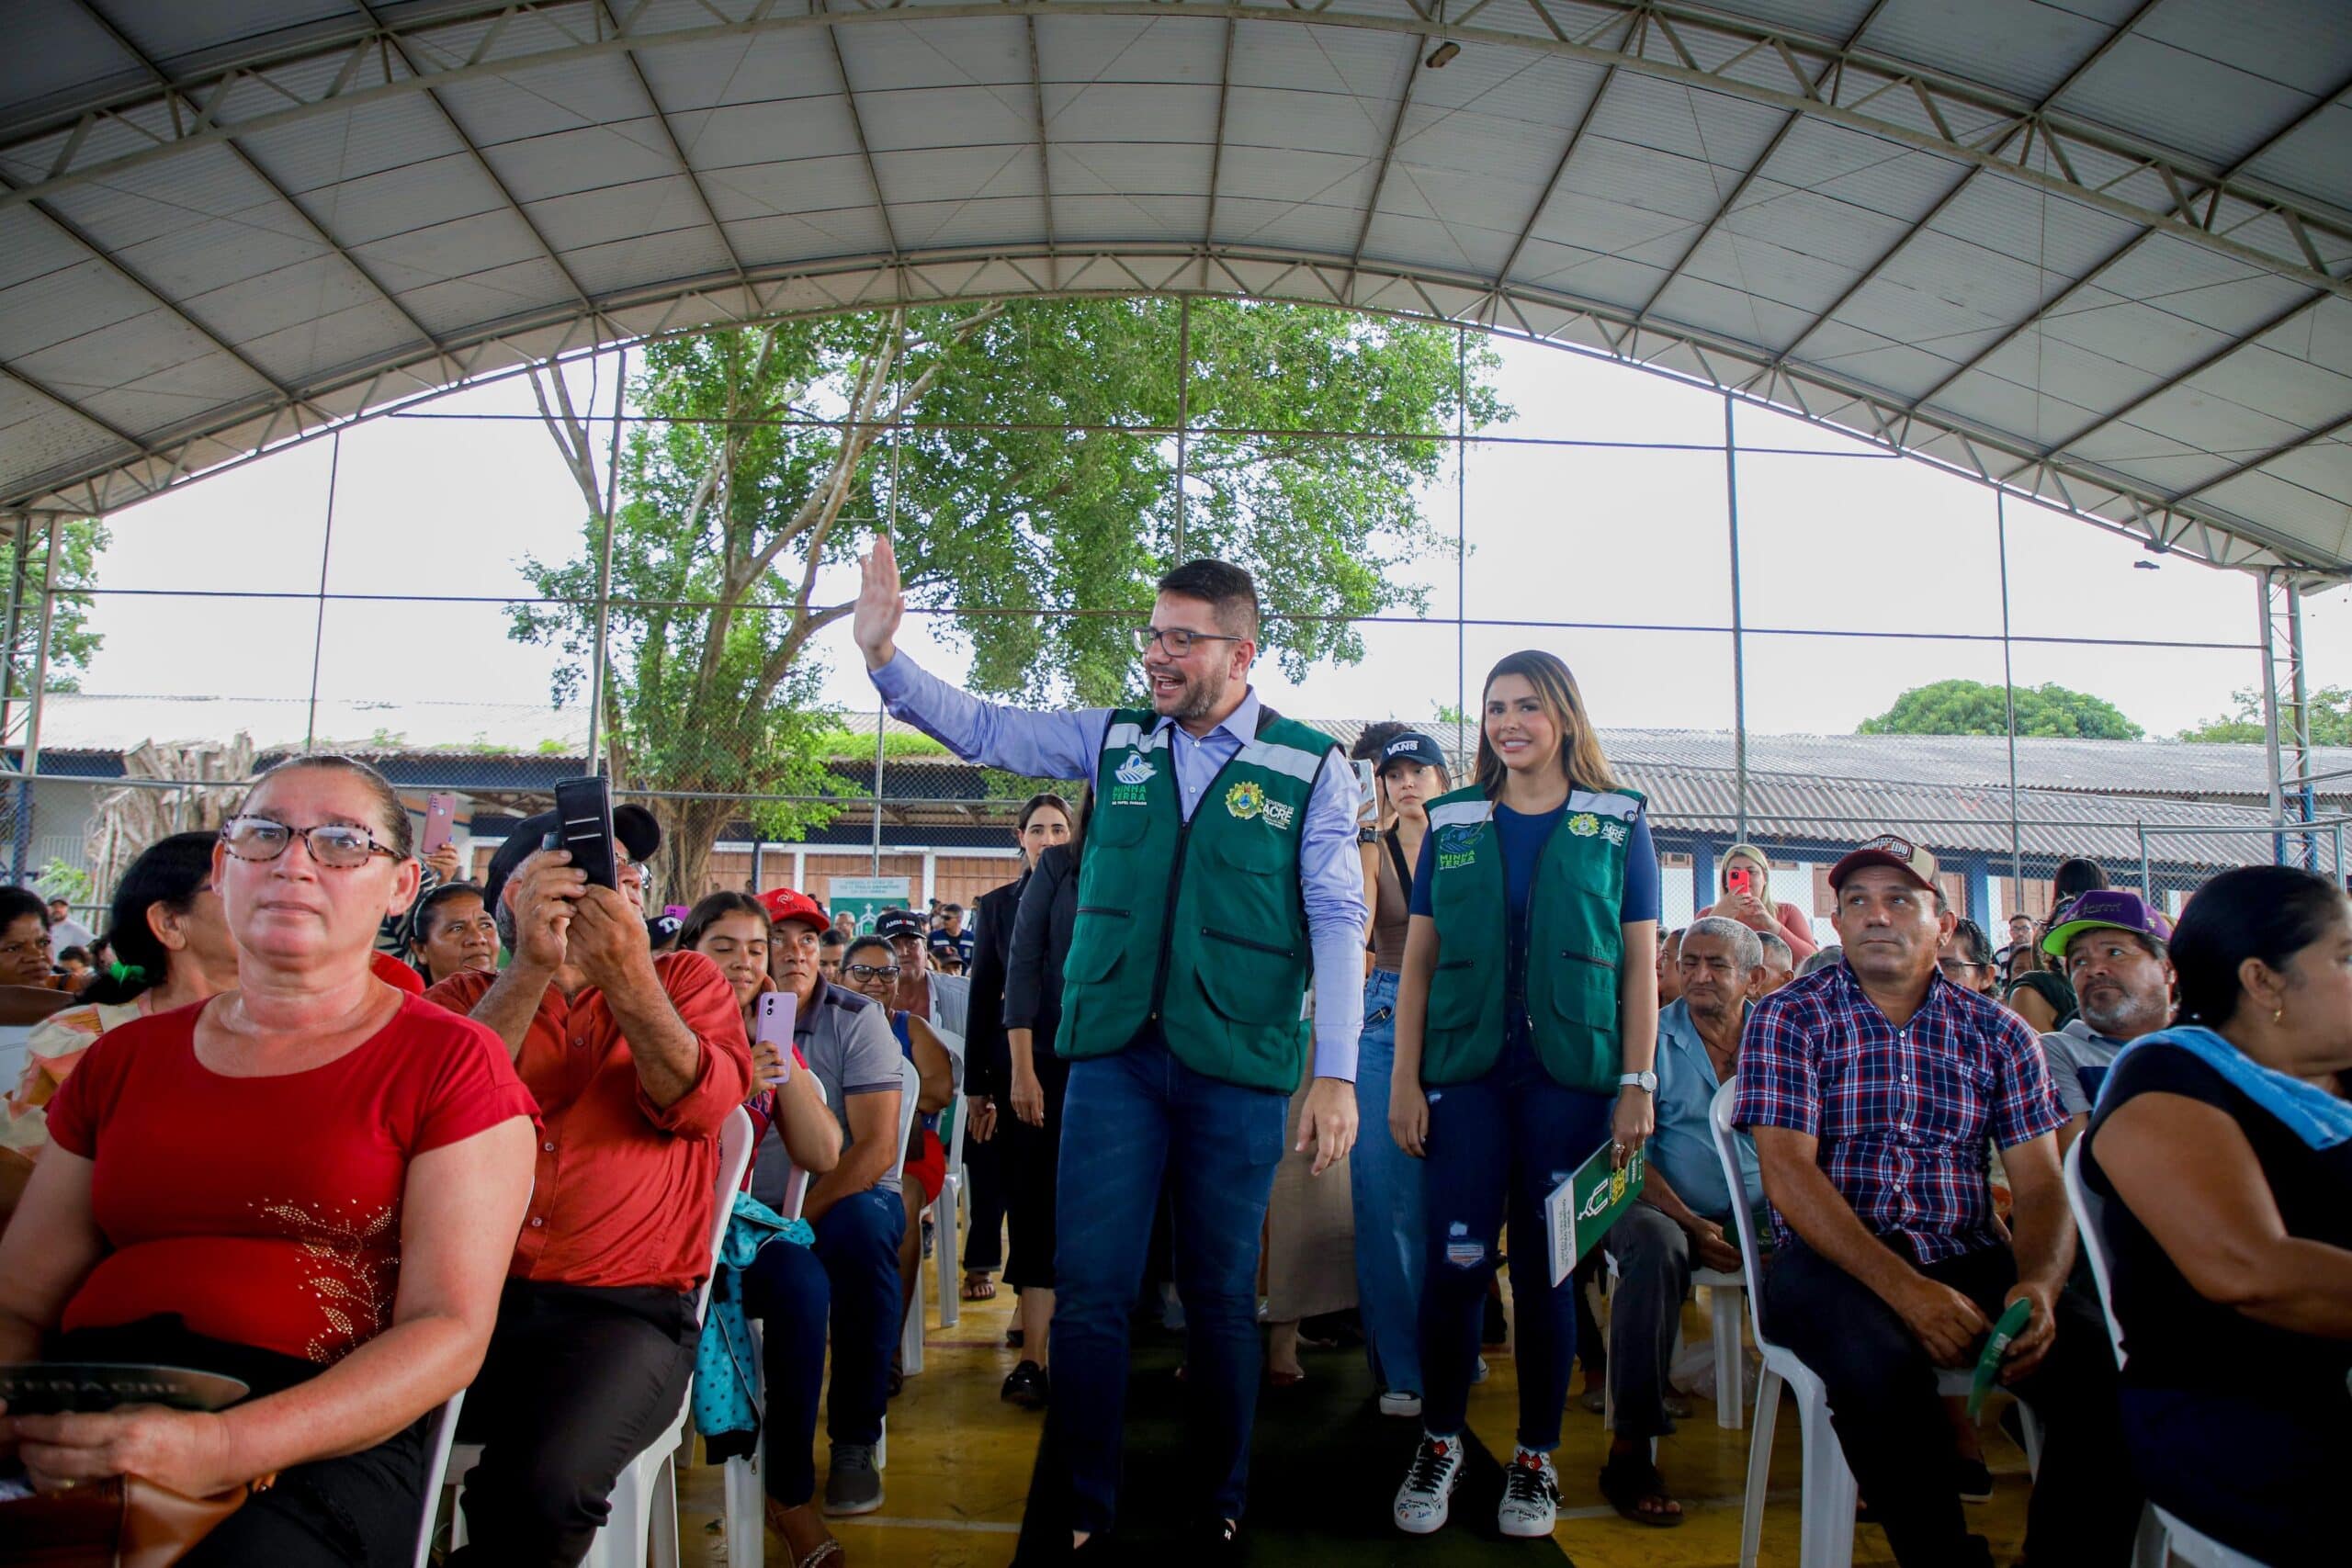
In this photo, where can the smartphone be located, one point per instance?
(440, 821)
(1740, 879)
(1367, 796)
(778, 1013)
(583, 809)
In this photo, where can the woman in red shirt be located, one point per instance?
(311, 1183)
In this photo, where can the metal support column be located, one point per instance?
(22, 848)
(1184, 417)
(598, 657)
(1738, 630)
(2285, 711)
(2009, 703)
(1461, 545)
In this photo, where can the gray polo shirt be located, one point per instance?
(2079, 1058)
(847, 1042)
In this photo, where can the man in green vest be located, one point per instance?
(1220, 874)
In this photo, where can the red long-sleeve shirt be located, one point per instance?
(622, 1189)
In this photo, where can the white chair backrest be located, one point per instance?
(1728, 1151)
(2090, 1213)
(734, 1159)
(795, 1181)
(909, 1091)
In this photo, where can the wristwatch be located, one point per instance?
(1646, 1082)
(1367, 835)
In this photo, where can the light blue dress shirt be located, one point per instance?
(1068, 745)
(1682, 1149)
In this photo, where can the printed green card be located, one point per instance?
(1582, 1208)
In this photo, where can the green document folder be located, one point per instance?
(1582, 1208)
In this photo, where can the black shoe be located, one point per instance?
(1013, 1338)
(1026, 1387)
(1976, 1482)
(1495, 1331)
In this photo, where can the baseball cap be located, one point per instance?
(892, 923)
(1889, 850)
(661, 928)
(632, 825)
(790, 904)
(1411, 747)
(2108, 908)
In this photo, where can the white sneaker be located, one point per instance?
(1531, 1496)
(1405, 1405)
(1428, 1493)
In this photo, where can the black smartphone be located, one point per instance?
(583, 809)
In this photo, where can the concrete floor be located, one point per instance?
(960, 1461)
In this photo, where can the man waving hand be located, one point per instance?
(1220, 875)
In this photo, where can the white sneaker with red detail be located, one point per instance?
(1530, 1503)
(1428, 1493)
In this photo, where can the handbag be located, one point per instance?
(123, 1521)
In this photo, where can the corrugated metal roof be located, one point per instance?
(2097, 250)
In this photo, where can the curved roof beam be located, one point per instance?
(1877, 94)
(2110, 502)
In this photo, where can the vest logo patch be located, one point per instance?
(1457, 846)
(1245, 800)
(1584, 825)
(1615, 832)
(1132, 775)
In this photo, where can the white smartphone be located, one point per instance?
(1367, 796)
(778, 1013)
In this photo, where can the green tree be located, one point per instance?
(1975, 707)
(1036, 475)
(71, 643)
(2330, 710)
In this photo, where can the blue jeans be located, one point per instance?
(1501, 1144)
(1385, 1184)
(1127, 1118)
(858, 1256)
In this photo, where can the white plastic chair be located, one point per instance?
(436, 1470)
(947, 1251)
(642, 1527)
(910, 1328)
(1825, 1508)
(2162, 1532)
(1723, 1293)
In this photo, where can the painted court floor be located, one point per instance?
(960, 1461)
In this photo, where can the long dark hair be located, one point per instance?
(170, 872)
(2270, 912)
(1556, 692)
(714, 909)
(2074, 878)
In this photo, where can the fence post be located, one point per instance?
(24, 834)
(2147, 885)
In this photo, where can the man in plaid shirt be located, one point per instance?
(1871, 1088)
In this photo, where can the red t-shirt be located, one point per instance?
(266, 1210)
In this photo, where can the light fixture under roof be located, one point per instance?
(1442, 53)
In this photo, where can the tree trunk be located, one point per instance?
(689, 829)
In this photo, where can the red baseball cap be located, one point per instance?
(790, 904)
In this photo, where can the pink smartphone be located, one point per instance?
(1739, 879)
(778, 1013)
(440, 821)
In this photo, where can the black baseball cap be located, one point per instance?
(632, 825)
(892, 923)
(1411, 747)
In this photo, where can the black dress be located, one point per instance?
(987, 1071)
(1033, 1001)
(2240, 1428)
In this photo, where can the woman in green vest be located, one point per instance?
(1526, 1032)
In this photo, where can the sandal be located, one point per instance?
(979, 1287)
(1629, 1480)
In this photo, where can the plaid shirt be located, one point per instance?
(1903, 1115)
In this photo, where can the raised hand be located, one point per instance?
(880, 605)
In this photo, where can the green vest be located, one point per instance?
(1574, 941)
(1199, 927)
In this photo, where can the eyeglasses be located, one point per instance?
(1178, 640)
(1958, 966)
(332, 844)
(872, 971)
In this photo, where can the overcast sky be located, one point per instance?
(1833, 538)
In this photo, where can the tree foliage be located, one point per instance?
(71, 643)
(1975, 707)
(1035, 475)
(2330, 710)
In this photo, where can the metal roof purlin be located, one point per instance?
(857, 127)
(1216, 150)
(1388, 155)
(123, 41)
(1045, 158)
(1743, 39)
(474, 151)
(2239, 470)
(677, 151)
